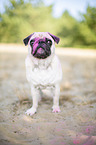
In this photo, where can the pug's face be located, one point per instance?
(41, 47)
(41, 44)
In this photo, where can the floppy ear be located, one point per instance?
(26, 40)
(55, 38)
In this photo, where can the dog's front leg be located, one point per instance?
(35, 96)
(56, 99)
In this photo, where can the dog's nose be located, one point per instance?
(40, 50)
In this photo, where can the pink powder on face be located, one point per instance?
(34, 47)
(37, 40)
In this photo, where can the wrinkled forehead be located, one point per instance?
(41, 35)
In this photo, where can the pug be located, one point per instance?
(43, 68)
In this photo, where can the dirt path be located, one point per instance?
(75, 125)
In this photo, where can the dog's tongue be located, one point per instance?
(40, 50)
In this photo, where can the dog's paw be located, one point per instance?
(56, 109)
(30, 111)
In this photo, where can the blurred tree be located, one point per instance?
(22, 18)
(74, 33)
(90, 18)
(68, 29)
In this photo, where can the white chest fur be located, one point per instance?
(43, 74)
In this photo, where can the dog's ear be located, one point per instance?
(55, 38)
(26, 40)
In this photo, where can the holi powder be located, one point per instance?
(89, 129)
(36, 42)
(76, 141)
(41, 48)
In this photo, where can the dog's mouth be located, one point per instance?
(39, 50)
(41, 53)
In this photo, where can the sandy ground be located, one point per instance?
(74, 125)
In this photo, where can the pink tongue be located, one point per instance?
(40, 50)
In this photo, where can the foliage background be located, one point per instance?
(22, 18)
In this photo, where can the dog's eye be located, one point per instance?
(49, 42)
(31, 42)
